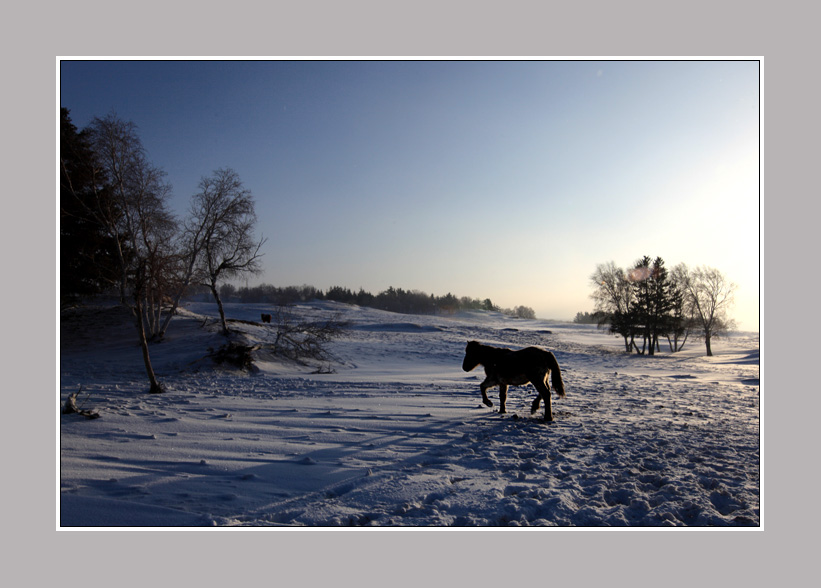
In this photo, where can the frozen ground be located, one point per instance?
(396, 435)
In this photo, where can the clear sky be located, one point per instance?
(508, 180)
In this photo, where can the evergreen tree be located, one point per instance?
(639, 277)
(661, 303)
(653, 301)
(87, 261)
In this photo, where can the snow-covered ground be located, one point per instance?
(396, 434)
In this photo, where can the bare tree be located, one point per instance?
(710, 296)
(178, 273)
(613, 299)
(134, 213)
(190, 243)
(222, 224)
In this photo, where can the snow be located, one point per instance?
(396, 434)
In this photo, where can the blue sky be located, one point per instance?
(508, 180)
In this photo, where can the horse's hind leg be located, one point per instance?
(536, 402)
(544, 392)
(502, 397)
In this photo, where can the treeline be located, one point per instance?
(648, 303)
(392, 299)
(589, 318)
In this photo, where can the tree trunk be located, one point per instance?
(707, 342)
(168, 317)
(150, 317)
(219, 306)
(156, 315)
(178, 294)
(156, 387)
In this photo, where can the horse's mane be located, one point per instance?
(475, 346)
(484, 354)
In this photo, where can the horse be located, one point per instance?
(505, 367)
(266, 318)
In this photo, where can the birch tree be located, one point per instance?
(131, 204)
(222, 224)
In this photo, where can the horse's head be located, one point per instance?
(471, 360)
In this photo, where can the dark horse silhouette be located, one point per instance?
(266, 318)
(504, 367)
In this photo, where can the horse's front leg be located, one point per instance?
(483, 387)
(502, 398)
(535, 406)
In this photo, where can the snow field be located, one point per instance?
(397, 435)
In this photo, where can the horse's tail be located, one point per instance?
(555, 375)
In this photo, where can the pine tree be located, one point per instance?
(654, 302)
(87, 259)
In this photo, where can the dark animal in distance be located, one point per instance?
(266, 318)
(505, 367)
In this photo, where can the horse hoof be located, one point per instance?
(487, 402)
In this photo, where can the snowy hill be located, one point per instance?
(392, 432)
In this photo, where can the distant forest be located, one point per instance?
(589, 318)
(392, 299)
